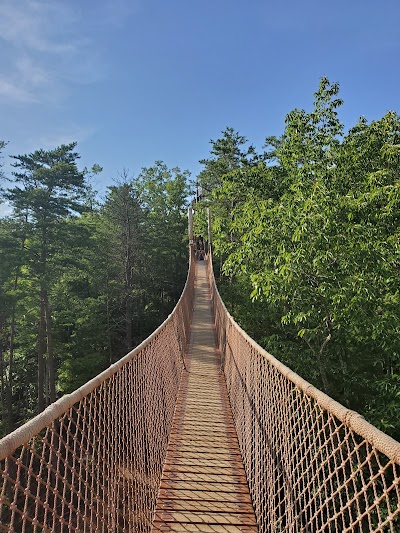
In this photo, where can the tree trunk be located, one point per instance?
(10, 415)
(2, 365)
(128, 321)
(322, 371)
(128, 274)
(50, 347)
(2, 371)
(41, 352)
(110, 357)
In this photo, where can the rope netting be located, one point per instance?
(312, 465)
(93, 460)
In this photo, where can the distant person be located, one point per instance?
(200, 248)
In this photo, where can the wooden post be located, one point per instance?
(209, 227)
(190, 225)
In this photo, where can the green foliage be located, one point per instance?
(82, 283)
(311, 238)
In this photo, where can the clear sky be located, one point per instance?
(134, 81)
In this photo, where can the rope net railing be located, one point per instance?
(93, 460)
(312, 465)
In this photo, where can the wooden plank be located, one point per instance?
(180, 527)
(228, 470)
(210, 477)
(237, 519)
(196, 437)
(195, 449)
(204, 506)
(196, 461)
(203, 430)
(217, 486)
(211, 495)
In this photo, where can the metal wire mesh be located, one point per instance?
(93, 460)
(312, 465)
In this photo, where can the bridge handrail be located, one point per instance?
(92, 461)
(312, 464)
(353, 420)
(33, 426)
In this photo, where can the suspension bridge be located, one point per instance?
(199, 429)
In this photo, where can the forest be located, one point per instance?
(82, 282)
(306, 248)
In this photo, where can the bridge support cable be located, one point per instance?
(312, 465)
(92, 461)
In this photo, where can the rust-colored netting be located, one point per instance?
(312, 465)
(93, 460)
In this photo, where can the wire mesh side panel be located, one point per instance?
(97, 467)
(308, 469)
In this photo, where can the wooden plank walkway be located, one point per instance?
(204, 486)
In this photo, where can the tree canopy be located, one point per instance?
(82, 283)
(308, 236)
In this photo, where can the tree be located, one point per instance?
(305, 156)
(163, 194)
(316, 250)
(49, 188)
(227, 156)
(10, 261)
(123, 219)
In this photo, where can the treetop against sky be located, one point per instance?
(137, 80)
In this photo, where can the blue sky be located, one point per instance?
(134, 81)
